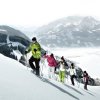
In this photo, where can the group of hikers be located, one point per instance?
(35, 48)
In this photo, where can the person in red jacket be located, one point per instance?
(85, 79)
(52, 64)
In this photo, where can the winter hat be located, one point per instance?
(72, 65)
(84, 71)
(52, 55)
(34, 39)
(62, 58)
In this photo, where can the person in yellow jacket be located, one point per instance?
(35, 48)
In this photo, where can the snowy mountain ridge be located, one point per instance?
(73, 31)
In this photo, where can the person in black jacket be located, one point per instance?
(85, 79)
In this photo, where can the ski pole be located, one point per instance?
(41, 68)
(26, 61)
(78, 83)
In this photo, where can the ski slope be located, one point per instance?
(18, 83)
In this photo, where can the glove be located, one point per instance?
(26, 52)
(35, 50)
(44, 54)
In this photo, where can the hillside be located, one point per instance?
(18, 83)
(12, 42)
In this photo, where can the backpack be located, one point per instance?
(86, 77)
(66, 65)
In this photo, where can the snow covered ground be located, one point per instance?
(18, 83)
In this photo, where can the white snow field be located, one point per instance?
(17, 82)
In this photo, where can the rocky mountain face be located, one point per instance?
(12, 42)
(72, 31)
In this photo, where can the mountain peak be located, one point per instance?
(72, 31)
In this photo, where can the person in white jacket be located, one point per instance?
(72, 73)
(62, 71)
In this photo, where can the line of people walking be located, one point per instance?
(35, 48)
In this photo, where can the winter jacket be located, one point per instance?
(72, 71)
(51, 61)
(36, 50)
(62, 66)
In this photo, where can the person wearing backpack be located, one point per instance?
(85, 79)
(35, 48)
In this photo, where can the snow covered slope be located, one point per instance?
(18, 83)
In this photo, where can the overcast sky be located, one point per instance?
(40, 12)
